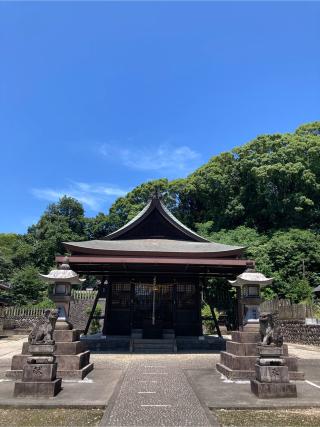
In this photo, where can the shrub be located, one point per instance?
(95, 324)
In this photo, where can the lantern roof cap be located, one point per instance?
(63, 274)
(251, 277)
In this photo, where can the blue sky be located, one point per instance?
(96, 98)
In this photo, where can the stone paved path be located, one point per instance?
(156, 393)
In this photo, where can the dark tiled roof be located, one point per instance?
(174, 239)
(165, 246)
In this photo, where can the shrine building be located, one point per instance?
(152, 271)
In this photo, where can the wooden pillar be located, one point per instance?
(108, 291)
(132, 293)
(199, 316)
(210, 302)
(100, 294)
(174, 306)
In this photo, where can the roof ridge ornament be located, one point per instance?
(157, 194)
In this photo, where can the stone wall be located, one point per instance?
(78, 313)
(19, 321)
(296, 331)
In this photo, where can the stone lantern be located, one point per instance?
(316, 292)
(70, 352)
(62, 280)
(249, 285)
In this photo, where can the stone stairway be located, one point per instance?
(142, 345)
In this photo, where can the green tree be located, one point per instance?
(270, 183)
(26, 286)
(62, 221)
(15, 253)
(98, 227)
(293, 258)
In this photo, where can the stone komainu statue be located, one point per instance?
(43, 330)
(269, 332)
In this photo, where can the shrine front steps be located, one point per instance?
(72, 357)
(239, 359)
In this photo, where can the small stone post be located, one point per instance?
(39, 374)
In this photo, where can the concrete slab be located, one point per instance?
(92, 392)
(11, 345)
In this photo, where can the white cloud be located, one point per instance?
(165, 157)
(92, 196)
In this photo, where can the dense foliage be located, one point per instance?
(264, 195)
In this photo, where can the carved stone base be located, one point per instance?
(273, 390)
(39, 372)
(37, 389)
(272, 374)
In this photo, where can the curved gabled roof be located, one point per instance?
(156, 205)
(154, 247)
(155, 232)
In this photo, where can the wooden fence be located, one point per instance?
(83, 295)
(286, 310)
(23, 311)
(36, 311)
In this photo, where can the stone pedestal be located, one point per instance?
(251, 327)
(272, 376)
(71, 356)
(39, 376)
(240, 357)
(63, 325)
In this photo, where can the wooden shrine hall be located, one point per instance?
(152, 271)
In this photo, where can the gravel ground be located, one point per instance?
(156, 392)
(50, 417)
(269, 418)
(183, 360)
